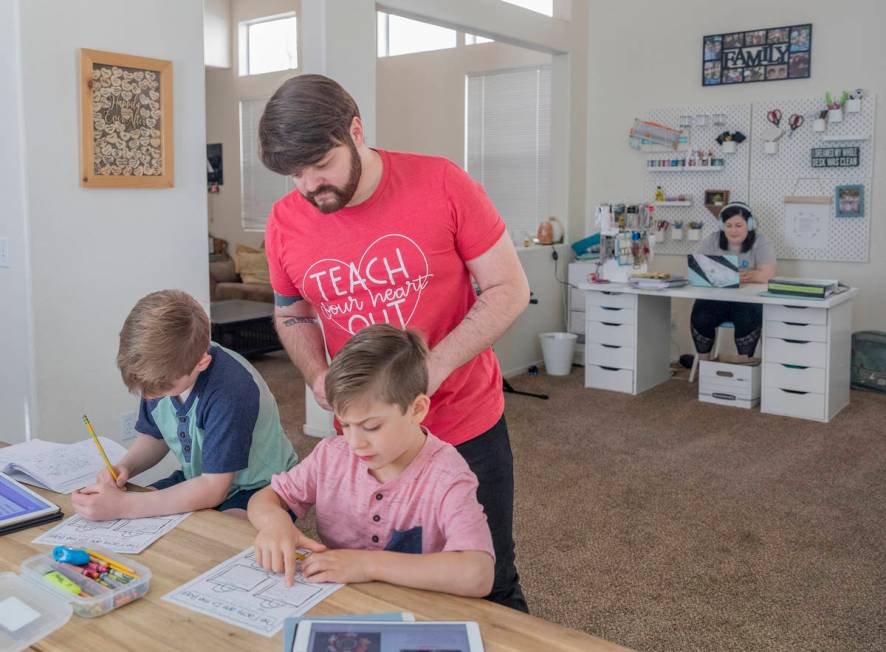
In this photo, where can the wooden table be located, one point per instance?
(207, 538)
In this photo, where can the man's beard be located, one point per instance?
(341, 195)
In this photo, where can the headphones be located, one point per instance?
(752, 222)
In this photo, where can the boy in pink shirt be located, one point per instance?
(385, 489)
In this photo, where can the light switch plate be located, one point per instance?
(4, 252)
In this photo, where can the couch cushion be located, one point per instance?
(252, 265)
(247, 291)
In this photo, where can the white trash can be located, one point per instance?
(558, 349)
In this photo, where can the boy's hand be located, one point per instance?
(275, 548)
(343, 566)
(122, 472)
(103, 501)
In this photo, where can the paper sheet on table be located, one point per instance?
(126, 535)
(62, 468)
(240, 592)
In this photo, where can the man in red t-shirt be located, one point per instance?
(375, 236)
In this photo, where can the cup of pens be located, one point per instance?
(95, 581)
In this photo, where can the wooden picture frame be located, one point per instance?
(126, 121)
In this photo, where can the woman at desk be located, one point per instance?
(737, 236)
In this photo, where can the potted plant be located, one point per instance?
(835, 107)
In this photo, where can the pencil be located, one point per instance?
(111, 563)
(98, 445)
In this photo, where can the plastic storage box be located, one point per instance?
(729, 384)
(28, 612)
(101, 599)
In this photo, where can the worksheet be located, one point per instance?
(240, 592)
(127, 535)
(62, 468)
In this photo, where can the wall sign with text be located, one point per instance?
(835, 157)
(770, 54)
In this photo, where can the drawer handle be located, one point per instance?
(610, 308)
(725, 397)
(610, 346)
(609, 323)
(795, 307)
(613, 294)
(610, 368)
(793, 366)
(725, 374)
(796, 341)
(794, 323)
(792, 391)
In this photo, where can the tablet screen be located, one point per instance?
(18, 503)
(342, 636)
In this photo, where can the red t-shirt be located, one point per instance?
(398, 257)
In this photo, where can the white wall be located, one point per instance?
(15, 308)
(660, 65)
(217, 33)
(95, 252)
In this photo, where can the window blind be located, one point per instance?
(508, 143)
(259, 187)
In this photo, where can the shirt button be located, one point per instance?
(187, 448)
(182, 419)
(376, 518)
(378, 496)
(182, 434)
(374, 538)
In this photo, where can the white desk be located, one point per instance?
(806, 344)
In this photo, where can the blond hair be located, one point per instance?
(380, 362)
(163, 338)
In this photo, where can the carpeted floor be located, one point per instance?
(662, 523)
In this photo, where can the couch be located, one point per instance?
(243, 277)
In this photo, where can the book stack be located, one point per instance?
(643, 283)
(803, 287)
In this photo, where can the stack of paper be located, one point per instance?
(62, 468)
(803, 287)
(657, 284)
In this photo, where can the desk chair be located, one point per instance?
(715, 351)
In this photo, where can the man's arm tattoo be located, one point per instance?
(293, 321)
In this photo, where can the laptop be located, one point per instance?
(713, 271)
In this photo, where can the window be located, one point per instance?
(398, 35)
(268, 44)
(474, 39)
(259, 187)
(545, 7)
(508, 142)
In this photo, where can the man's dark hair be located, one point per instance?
(749, 239)
(305, 118)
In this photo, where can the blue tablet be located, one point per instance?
(19, 504)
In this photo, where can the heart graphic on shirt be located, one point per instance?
(384, 286)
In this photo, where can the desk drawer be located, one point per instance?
(742, 382)
(607, 333)
(730, 400)
(616, 380)
(806, 405)
(576, 322)
(796, 314)
(611, 300)
(621, 357)
(611, 315)
(797, 331)
(804, 379)
(576, 299)
(804, 354)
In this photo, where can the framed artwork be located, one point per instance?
(849, 201)
(126, 121)
(215, 176)
(766, 54)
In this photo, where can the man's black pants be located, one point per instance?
(490, 458)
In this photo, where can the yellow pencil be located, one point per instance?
(111, 563)
(98, 445)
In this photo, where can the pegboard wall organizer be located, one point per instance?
(765, 180)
